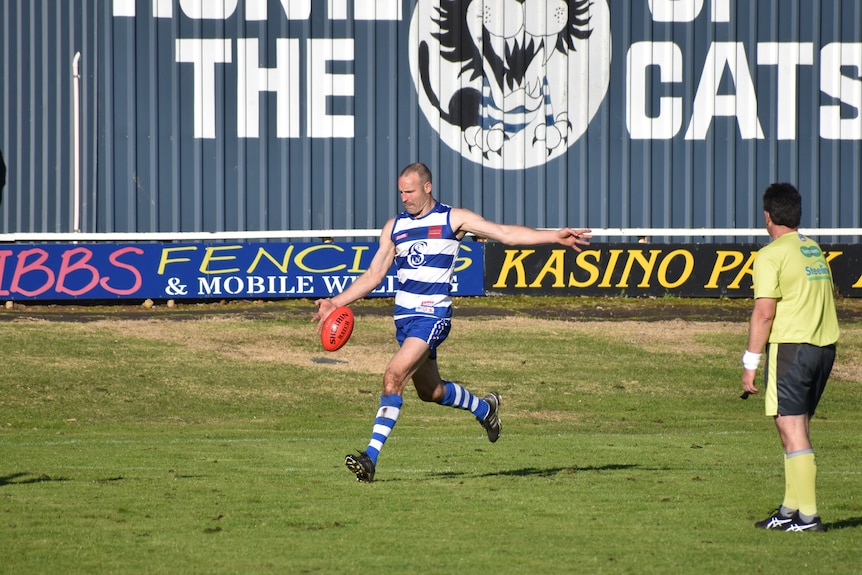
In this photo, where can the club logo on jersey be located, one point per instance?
(416, 254)
(510, 84)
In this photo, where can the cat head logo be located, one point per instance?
(510, 84)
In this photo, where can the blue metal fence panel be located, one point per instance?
(298, 114)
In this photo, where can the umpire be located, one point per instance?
(794, 319)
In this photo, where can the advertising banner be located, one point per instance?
(202, 271)
(704, 270)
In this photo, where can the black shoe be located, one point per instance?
(776, 521)
(491, 423)
(361, 465)
(797, 524)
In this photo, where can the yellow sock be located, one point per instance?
(801, 474)
(791, 503)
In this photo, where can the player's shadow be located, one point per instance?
(844, 524)
(551, 471)
(534, 471)
(17, 479)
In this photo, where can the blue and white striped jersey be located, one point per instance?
(425, 253)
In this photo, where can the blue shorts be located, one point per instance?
(431, 330)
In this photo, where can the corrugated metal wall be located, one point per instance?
(37, 41)
(298, 114)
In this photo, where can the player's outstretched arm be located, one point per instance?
(574, 238)
(464, 220)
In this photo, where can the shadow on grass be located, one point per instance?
(844, 524)
(534, 471)
(16, 479)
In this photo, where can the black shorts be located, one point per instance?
(795, 375)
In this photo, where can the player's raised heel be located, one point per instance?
(491, 423)
(361, 465)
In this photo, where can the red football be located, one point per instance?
(337, 328)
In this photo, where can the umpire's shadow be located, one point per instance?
(844, 524)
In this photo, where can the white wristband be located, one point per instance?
(750, 360)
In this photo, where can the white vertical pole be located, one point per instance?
(76, 144)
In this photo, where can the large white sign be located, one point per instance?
(512, 84)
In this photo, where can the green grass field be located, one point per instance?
(215, 445)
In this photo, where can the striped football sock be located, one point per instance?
(458, 396)
(387, 415)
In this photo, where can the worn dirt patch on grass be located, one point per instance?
(244, 339)
(669, 325)
(371, 350)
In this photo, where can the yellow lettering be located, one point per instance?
(300, 258)
(747, 269)
(721, 265)
(209, 257)
(282, 265)
(591, 269)
(463, 263)
(357, 256)
(612, 263)
(686, 272)
(554, 266)
(514, 260)
(165, 260)
(831, 256)
(646, 265)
